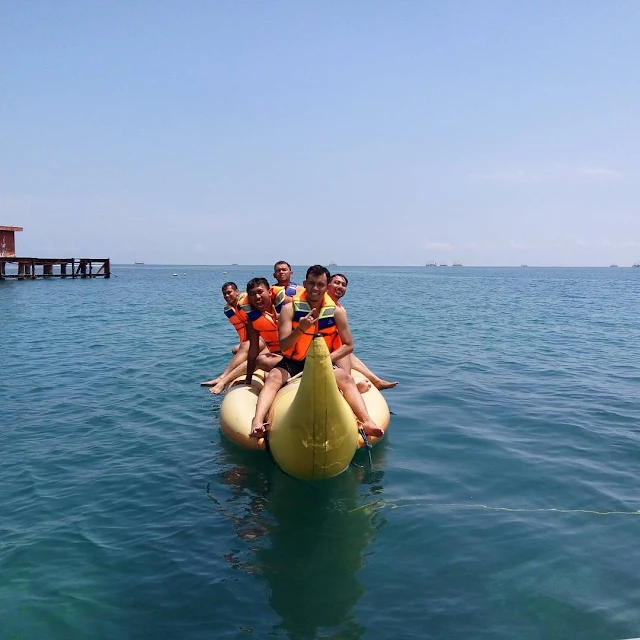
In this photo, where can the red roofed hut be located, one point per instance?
(8, 241)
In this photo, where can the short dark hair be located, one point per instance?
(229, 284)
(341, 275)
(281, 262)
(318, 270)
(256, 282)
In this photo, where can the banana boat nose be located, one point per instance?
(314, 433)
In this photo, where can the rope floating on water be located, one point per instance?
(454, 505)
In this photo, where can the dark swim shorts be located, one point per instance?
(292, 367)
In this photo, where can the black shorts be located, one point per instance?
(292, 367)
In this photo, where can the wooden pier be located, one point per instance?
(32, 268)
(49, 267)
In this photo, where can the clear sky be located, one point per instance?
(365, 132)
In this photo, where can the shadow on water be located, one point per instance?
(306, 539)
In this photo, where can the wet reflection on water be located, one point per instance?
(306, 540)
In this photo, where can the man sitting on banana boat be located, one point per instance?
(261, 317)
(283, 290)
(262, 347)
(262, 326)
(310, 312)
(233, 299)
(337, 288)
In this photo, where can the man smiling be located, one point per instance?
(337, 288)
(262, 348)
(309, 313)
(262, 322)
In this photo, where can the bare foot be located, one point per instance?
(210, 383)
(383, 384)
(371, 429)
(258, 429)
(217, 389)
(363, 386)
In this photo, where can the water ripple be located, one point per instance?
(502, 504)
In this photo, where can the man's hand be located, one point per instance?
(307, 322)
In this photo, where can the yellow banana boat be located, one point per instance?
(313, 432)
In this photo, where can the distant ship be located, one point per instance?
(524, 265)
(443, 265)
(333, 264)
(613, 265)
(431, 263)
(636, 264)
(139, 263)
(456, 264)
(234, 264)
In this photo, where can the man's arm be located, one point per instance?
(345, 335)
(288, 299)
(288, 335)
(254, 350)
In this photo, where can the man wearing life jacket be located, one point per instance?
(311, 312)
(233, 299)
(284, 289)
(262, 348)
(337, 289)
(262, 323)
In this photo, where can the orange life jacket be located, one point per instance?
(324, 325)
(278, 294)
(238, 321)
(265, 324)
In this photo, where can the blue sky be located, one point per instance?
(368, 133)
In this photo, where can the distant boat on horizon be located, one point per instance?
(333, 264)
(613, 265)
(431, 263)
(636, 264)
(456, 263)
(524, 265)
(138, 263)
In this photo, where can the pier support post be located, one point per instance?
(29, 268)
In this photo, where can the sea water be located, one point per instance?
(503, 502)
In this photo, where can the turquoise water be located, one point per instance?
(503, 504)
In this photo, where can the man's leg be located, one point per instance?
(346, 364)
(265, 361)
(275, 380)
(224, 380)
(378, 383)
(241, 356)
(347, 385)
